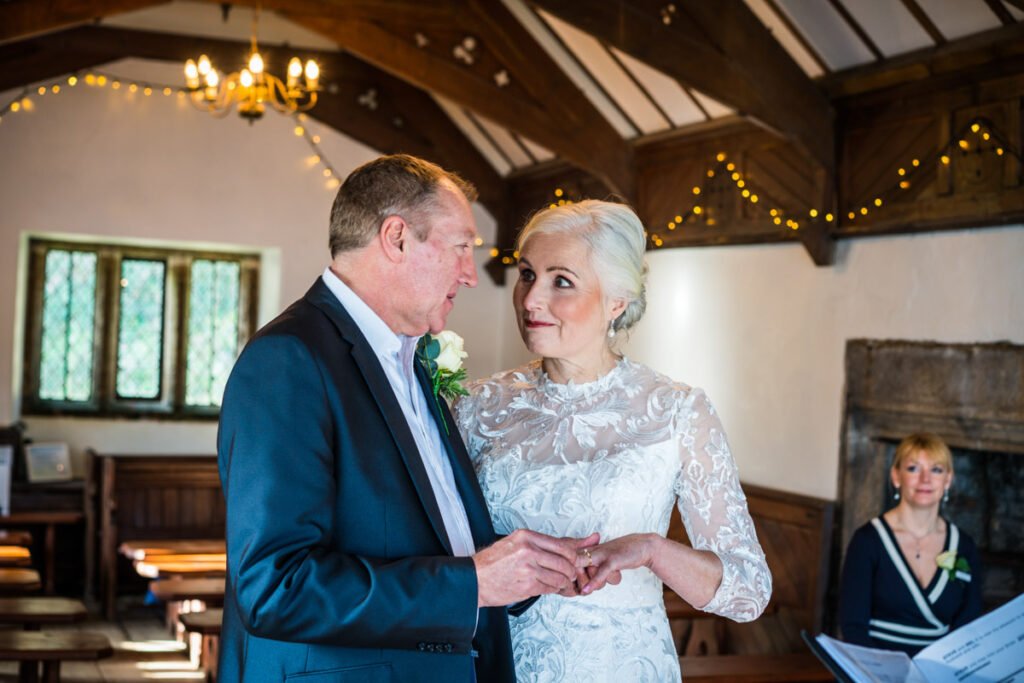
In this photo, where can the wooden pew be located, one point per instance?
(796, 535)
(148, 499)
(15, 556)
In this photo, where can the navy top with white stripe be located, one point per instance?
(881, 603)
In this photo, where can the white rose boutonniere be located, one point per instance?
(442, 356)
(955, 567)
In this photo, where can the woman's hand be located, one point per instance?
(607, 560)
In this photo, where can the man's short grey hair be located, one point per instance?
(397, 184)
(617, 243)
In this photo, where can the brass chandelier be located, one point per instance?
(252, 88)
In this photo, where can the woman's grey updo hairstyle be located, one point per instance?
(617, 243)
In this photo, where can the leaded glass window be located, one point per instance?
(212, 330)
(114, 329)
(68, 322)
(140, 333)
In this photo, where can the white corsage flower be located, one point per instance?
(442, 356)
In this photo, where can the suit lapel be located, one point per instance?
(462, 469)
(380, 388)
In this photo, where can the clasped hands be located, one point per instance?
(526, 563)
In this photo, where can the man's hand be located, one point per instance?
(526, 563)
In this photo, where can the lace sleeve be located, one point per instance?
(714, 511)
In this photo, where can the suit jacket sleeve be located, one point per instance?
(277, 451)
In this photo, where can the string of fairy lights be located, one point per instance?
(26, 101)
(979, 136)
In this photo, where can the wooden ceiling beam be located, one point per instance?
(360, 101)
(538, 100)
(723, 50)
(26, 18)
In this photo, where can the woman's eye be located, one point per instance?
(526, 275)
(562, 282)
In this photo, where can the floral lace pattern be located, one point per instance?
(611, 456)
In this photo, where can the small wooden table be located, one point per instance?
(49, 519)
(32, 612)
(51, 648)
(143, 549)
(207, 625)
(801, 667)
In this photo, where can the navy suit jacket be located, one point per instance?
(339, 567)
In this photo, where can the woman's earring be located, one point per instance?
(611, 330)
(945, 496)
(896, 496)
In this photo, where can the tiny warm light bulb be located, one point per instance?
(740, 183)
(975, 127)
(904, 184)
(813, 213)
(147, 91)
(852, 215)
(878, 201)
(558, 192)
(116, 85)
(204, 66)
(41, 90)
(711, 173)
(101, 80)
(864, 210)
(721, 156)
(167, 92)
(753, 199)
(212, 79)
(944, 159)
(698, 210)
(299, 131)
(829, 217)
(133, 87)
(746, 193)
(696, 190)
(479, 241)
(55, 89)
(90, 79)
(777, 220)
(999, 151)
(963, 144)
(256, 64)
(735, 176)
(312, 74)
(72, 81)
(494, 252)
(902, 172)
(730, 166)
(985, 136)
(245, 78)
(27, 104)
(679, 219)
(774, 212)
(316, 139)
(671, 225)
(915, 163)
(327, 173)
(15, 107)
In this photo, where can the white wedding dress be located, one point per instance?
(610, 456)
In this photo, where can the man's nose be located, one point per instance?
(469, 278)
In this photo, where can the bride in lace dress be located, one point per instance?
(584, 440)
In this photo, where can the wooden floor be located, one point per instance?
(144, 651)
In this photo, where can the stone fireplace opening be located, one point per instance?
(971, 395)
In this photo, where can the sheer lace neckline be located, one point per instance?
(572, 390)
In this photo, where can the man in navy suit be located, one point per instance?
(359, 544)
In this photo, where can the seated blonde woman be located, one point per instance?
(911, 576)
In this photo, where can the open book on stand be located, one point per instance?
(989, 649)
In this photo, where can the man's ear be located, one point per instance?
(393, 237)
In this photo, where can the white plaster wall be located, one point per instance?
(105, 164)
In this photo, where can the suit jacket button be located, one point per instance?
(447, 647)
(422, 647)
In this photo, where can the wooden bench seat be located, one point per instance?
(15, 556)
(33, 612)
(15, 537)
(19, 581)
(145, 548)
(796, 667)
(51, 648)
(206, 626)
(211, 565)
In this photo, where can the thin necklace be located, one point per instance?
(918, 539)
